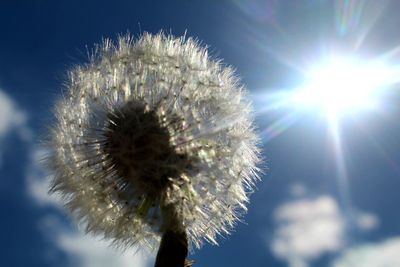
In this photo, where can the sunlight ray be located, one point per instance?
(342, 174)
(279, 126)
(395, 165)
(274, 100)
(357, 18)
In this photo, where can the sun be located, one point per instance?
(335, 88)
(343, 85)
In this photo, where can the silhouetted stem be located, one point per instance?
(173, 250)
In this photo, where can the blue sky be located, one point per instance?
(327, 199)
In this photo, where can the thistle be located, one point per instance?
(154, 140)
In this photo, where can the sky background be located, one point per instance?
(325, 200)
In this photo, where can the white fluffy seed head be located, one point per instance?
(150, 125)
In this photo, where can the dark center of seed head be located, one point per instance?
(139, 148)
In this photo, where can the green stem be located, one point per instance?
(173, 250)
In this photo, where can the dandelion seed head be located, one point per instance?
(149, 126)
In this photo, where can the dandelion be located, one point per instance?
(154, 140)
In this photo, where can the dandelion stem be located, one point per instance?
(173, 250)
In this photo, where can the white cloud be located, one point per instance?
(306, 229)
(86, 250)
(97, 253)
(367, 221)
(384, 254)
(38, 180)
(12, 118)
(297, 190)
